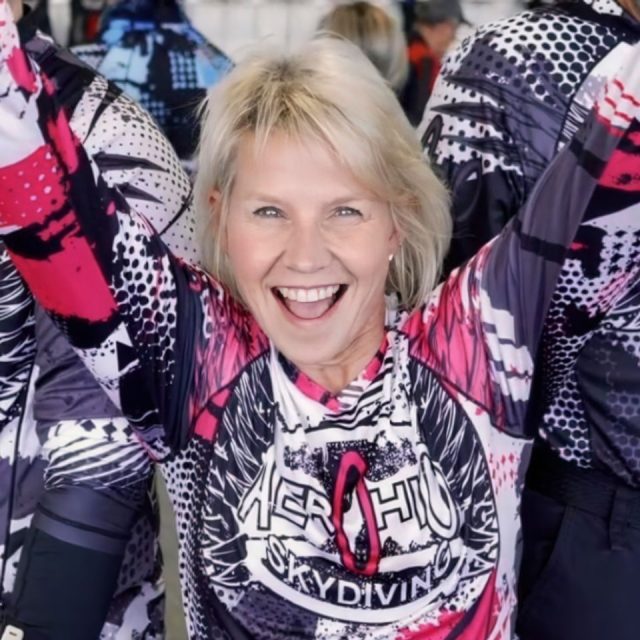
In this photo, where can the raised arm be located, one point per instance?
(582, 219)
(489, 136)
(94, 513)
(72, 201)
(134, 312)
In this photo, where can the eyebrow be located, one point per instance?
(357, 197)
(344, 199)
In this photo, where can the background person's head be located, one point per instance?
(437, 21)
(315, 131)
(378, 34)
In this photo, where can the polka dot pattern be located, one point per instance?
(151, 177)
(508, 99)
(590, 360)
(510, 77)
(137, 162)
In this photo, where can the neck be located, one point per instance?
(336, 376)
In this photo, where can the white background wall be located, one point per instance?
(234, 24)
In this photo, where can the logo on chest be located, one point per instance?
(370, 516)
(370, 526)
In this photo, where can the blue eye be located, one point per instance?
(268, 212)
(346, 212)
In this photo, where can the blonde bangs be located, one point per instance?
(331, 94)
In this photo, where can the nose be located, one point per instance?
(306, 250)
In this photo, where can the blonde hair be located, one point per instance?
(328, 92)
(376, 33)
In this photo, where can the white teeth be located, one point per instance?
(308, 295)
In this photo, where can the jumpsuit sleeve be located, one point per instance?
(90, 513)
(488, 139)
(99, 470)
(484, 326)
(133, 311)
(159, 336)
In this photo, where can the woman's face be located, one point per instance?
(309, 247)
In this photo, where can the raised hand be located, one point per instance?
(38, 150)
(20, 86)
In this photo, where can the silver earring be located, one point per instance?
(391, 257)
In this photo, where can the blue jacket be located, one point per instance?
(155, 55)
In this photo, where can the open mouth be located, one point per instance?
(311, 303)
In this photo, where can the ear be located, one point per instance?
(395, 240)
(215, 199)
(215, 209)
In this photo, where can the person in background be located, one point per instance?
(435, 25)
(78, 553)
(508, 100)
(376, 33)
(85, 19)
(343, 463)
(150, 49)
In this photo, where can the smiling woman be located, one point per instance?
(313, 208)
(328, 94)
(341, 465)
(308, 246)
